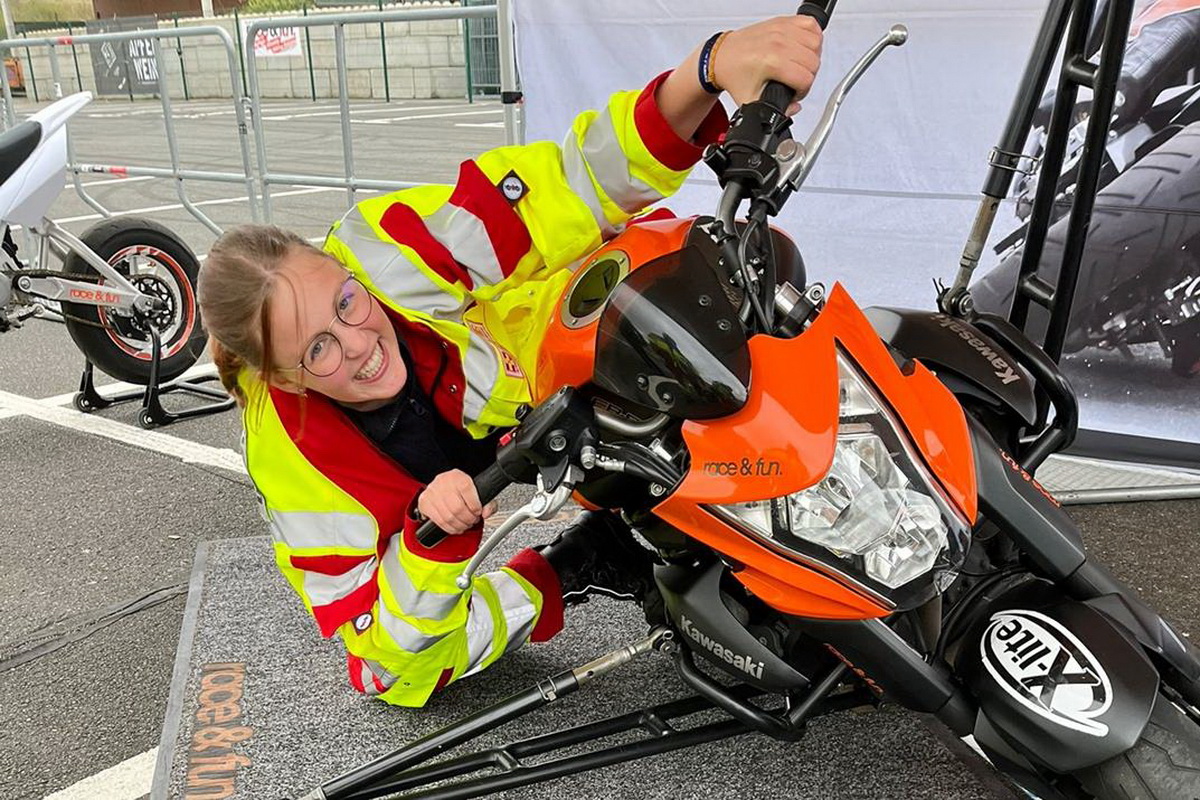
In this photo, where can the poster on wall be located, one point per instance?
(270, 42)
(1133, 344)
(128, 67)
(889, 204)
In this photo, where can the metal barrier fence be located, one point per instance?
(349, 181)
(176, 171)
(248, 104)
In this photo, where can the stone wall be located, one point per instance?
(424, 59)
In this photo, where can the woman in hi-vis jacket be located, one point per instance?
(376, 374)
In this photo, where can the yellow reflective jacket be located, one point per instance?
(467, 274)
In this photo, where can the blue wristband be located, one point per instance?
(706, 62)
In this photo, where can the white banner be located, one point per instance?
(270, 42)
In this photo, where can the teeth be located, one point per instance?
(371, 368)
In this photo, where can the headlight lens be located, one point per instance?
(877, 510)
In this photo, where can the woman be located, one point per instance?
(374, 375)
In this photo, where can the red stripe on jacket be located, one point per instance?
(475, 193)
(671, 150)
(407, 227)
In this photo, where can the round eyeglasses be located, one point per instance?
(351, 307)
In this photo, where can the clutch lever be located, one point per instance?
(543, 505)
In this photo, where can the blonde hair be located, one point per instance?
(234, 289)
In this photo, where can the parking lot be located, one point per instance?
(102, 521)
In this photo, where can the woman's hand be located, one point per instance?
(451, 502)
(784, 49)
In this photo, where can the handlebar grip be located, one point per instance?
(780, 95)
(818, 11)
(488, 484)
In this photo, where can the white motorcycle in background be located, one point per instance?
(126, 287)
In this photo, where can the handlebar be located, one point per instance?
(488, 484)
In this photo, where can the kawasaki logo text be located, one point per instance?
(745, 663)
(1004, 371)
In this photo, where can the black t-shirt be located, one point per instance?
(411, 432)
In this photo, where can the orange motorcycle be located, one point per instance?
(869, 531)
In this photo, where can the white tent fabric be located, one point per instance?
(888, 206)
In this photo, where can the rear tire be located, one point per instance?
(1139, 230)
(159, 263)
(1164, 764)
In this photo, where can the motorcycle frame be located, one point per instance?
(118, 292)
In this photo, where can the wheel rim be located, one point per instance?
(155, 273)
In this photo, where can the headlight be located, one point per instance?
(878, 512)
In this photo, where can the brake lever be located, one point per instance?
(797, 161)
(542, 506)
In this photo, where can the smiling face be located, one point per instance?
(311, 292)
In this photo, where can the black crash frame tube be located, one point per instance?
(1076, 71)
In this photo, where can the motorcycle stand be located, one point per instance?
(153, 414)
(501, 768)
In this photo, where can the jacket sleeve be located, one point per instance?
(518, 210)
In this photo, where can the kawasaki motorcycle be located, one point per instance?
(871, 532)
(1140, 282)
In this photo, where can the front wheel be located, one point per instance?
(159, 264)
(1164, 764)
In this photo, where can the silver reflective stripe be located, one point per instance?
(322, 589)
(581, 184)
(414, 603)
(481, 367)
(375, 669)
(304, 529)
(466, 237)
(519, 610)
(480, 633)
(365, 675)
(404, 633)
(393, 274)
(610, 165)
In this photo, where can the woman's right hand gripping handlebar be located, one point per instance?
(452, 503)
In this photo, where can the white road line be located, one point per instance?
(382, 109)
(479, 124)
(217, 202)
(128, 780)
(426, 116)
(89, 184)
(188, 452)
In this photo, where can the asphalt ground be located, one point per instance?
(101, 524)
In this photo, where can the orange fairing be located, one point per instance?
(783, 441)
(568, 351)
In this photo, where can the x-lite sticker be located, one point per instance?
(1045, 668)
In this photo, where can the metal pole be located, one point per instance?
(312, 78)
(237, 37)
(32, 77)
(173, 148)
(339, 42)
(508, 71)
(387, 89)
(179, 52)
(10, 27)
(10, 118)
(75, 57)
(467, 57)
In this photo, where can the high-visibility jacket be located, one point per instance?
(467, 274)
